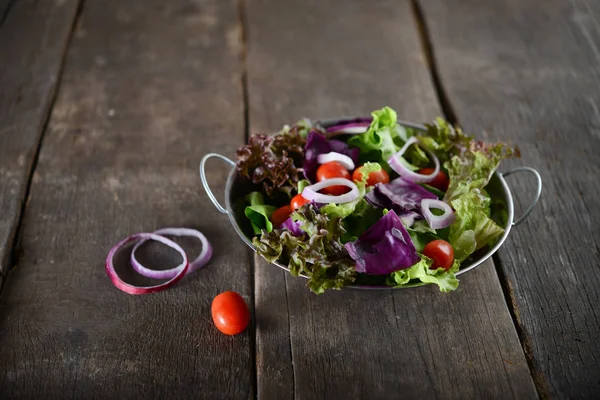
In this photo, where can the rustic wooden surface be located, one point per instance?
(311, 58)
(530, 73)
(149, 86)
(33, 38)
(147, 89)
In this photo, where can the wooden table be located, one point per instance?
(106, 108)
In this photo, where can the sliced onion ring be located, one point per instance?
(131, 289)
(351, 130)
(333, 156)
(398, 164)
(351, 127)
(437, 221)
(311, 193)
(199, 262)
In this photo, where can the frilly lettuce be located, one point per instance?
(377, 143)
(473, 228)
(274, 162)
(319, 255)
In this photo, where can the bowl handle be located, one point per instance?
(209, 192)
(538, 191)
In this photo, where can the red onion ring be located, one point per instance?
(343, 159)
(397, 164)
(199, 262)
(353, 127)
(131, 289)
(437, 221)
(311, 193)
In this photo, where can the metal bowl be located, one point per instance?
(238, 187)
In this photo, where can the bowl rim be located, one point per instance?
(331, 121)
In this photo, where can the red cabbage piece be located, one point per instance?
(383, 248)
(400, 195)
(293, 227)
(317, 143)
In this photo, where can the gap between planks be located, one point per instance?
(7, 7)
(13, 243)
(243, 38)
(450, 115)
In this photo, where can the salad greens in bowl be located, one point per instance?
(371, 202)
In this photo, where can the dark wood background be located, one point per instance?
(107, 106)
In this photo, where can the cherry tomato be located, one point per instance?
(330, 170)
(230, 313)
(440, 181)
(374, 177)
(280, 215)
(441, 252)
(298, 201)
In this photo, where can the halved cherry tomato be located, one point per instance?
(440, 181)
(374, 177)
(297, 202)
(280, 215)
(441, 252)
(330, 170)
(230, 313)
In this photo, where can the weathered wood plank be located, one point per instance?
(33, 37)
(321, 59)
(149, 87)
(529, 71)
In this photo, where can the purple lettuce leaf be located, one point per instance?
(316, 144)
(383, 248)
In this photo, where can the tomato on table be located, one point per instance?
(441, 252)
(298, 201)
(440, 181)
(280, 215)
(230, 313)
(330, 170)
(374, 177)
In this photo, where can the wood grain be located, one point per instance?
(322, 59)
(33, 37)
(529, 71)
(149, 87)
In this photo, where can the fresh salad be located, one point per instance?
(371, 202)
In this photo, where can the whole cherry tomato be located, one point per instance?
(230, 313)
(330, 170)
(280, 215)
(440, 181)
(297, 202)
(441, 252)
(374, 177)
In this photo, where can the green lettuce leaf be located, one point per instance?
(377, 143)
(474, 168)
(363, 216)
(319, 255)
(421, 271)
(366, 169)
(259, 213)
(334, 210)
(473, 227)
(302, 184)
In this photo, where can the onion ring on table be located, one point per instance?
(200, 261)
(132, 289)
